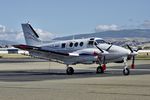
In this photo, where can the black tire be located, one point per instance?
(99, 70)
(70, 71)
(126, 71)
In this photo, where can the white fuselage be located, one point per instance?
(84, 47)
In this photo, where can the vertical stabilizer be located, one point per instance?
(31, 37)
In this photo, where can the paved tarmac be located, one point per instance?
(32, 79)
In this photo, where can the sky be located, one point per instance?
(67, 17)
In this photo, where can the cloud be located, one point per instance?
(17, 36)
(6, 34)
(101, 28)
(2, 28)
(44, 35)
(145, 24)
(134, 24)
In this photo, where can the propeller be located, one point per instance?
(104, 57)
(133, 53)
(103, 50)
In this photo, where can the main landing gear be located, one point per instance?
(69, 70)
(100, 69)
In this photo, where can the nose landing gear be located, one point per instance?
(126, 70)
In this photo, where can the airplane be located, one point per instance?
(77, 51)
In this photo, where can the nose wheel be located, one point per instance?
(126, 71)
(69, 71)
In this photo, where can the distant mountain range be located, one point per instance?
(132, 33)
(120, 37)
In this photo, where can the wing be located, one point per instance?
(39, 49)
(79, 56)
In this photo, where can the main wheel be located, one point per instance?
(126, 71)
(70, 71)
(99, 70)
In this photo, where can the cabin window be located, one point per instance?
(76, 44)
(71, 44)
(90, 42)
(81, 44)
(63, 45)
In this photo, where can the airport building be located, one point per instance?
(12, 51)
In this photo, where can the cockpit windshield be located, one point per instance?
(100, 41)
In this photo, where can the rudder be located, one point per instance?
(31, 37)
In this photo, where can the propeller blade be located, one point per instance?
(104, 63)
(104, 60)
(133, 53)
(99, 48)
(109, 48)
(133, 60)
(130, 48)
(137, 50)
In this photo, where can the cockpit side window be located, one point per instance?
(63, 45)
(90, 42)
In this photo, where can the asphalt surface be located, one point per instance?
(33, 79)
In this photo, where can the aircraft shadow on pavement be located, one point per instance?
(57, 74)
